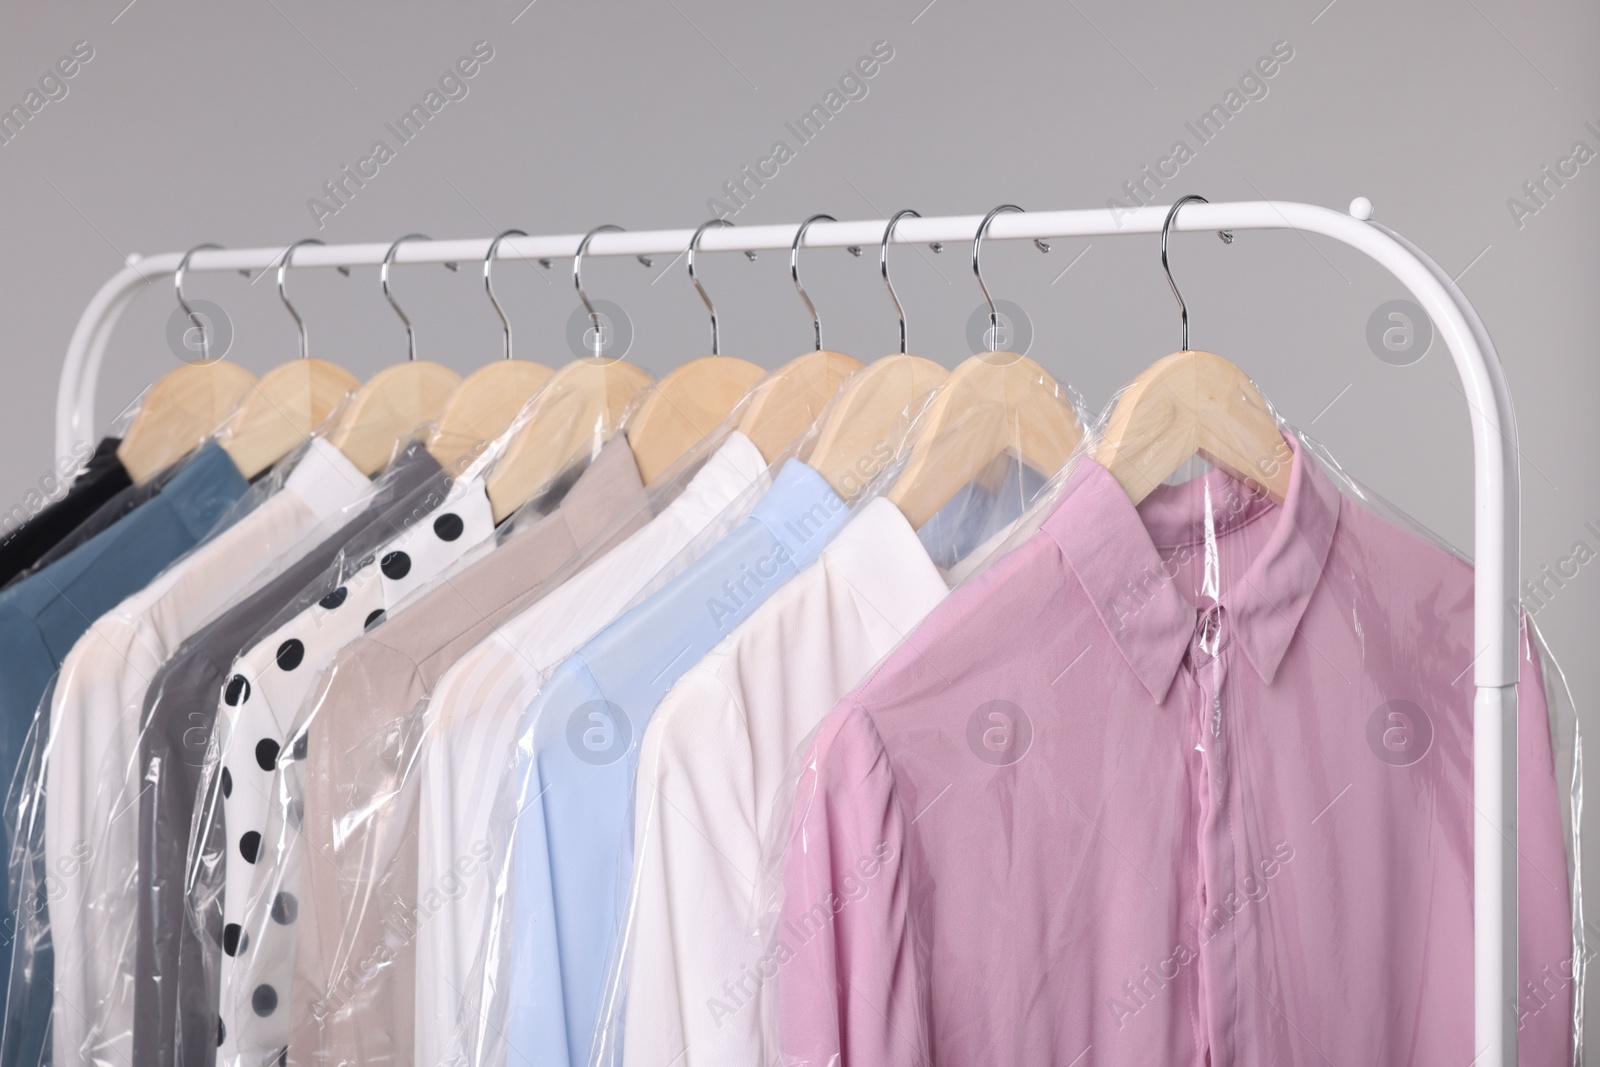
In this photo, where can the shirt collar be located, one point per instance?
(325, 481)
(724, 479)
(801, 511)
(602, 492)
(886, 566)
(1109, 549)
(202, 492)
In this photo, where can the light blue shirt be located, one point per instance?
(572, 848)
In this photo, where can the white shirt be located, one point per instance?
(477, 706)
(259, 713)
(93, 778)
(712, 767)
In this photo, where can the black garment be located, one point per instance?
(106, 514)
(29, 534)
(175, 995)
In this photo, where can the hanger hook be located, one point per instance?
(1172, 213)
(283, 294)
(977, 245)
(488, 283)
(694, 246)
(383, 278)
(577, 280)
(883, 267)
(177, 285)
(794, 272)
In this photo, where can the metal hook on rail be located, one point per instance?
(883, 267)
(694, 246)
(794, 272)
(1172, 213)
(194, 316)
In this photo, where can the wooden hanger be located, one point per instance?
(398, 399)
(483, 406)
(487, 401)
(688, 403)
(870, 417)
(582, 403)
(186, 405)
(684, 407)
(390, 408)
(993, 403)
(874, 408)
(1192, 402)
(289, 402)
(282, 409)
(792, 397)
(179, 412)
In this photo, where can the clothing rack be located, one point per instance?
(1494, 435)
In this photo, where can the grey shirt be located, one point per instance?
(175, 994)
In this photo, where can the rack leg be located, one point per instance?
(1494, 846)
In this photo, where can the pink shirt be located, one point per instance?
(1088, 814)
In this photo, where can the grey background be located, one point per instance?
(197, 122)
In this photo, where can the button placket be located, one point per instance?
(1208, 666)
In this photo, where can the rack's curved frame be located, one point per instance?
(1496, 500)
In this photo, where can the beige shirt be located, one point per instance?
(357, 909)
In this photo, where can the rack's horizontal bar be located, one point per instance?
(867, 233)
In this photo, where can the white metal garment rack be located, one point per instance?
(1494, 437)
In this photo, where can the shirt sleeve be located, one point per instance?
(851, 986)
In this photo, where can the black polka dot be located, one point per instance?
(234, 939)
(238, 691)
(448, 526)
(227, 782)
(284, 909)
(264, 1001)
(335, 598)
(250, 846)
(396, 565)
(283, 1057)
(300, 747)
(222, 1031)
(374, 619)
(267, 753)
(290, 653)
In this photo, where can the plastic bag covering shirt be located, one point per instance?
(572, 840)
(357, 816)
(93, 777)
(102, 478)
(259, 707)
(175, 996)
(107, 514)
(475, 710)
(711, 765)
(41, 617)
(1183, 784)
